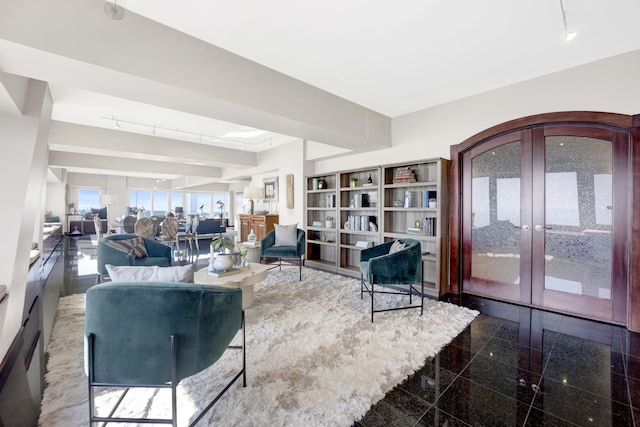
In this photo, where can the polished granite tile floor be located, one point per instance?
(517, 366)
(513, 366)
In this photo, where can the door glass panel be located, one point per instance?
(578, 210)
(495, 203)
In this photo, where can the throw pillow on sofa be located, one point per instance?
(125, 273)
(133, 246)
(286, 235)
(396, 246)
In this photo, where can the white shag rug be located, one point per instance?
(313, 358)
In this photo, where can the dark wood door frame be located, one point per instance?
(627, 192)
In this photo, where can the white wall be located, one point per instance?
(280, 161)
(609, 85)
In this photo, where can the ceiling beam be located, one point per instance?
(110, 142)
(141, 60)
(13, 94)
(107, 165)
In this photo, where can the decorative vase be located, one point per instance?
(329, 224)
(223, 262)
(251, 238)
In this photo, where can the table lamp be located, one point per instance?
(251, 193)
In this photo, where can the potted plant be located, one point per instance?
(221, 207)
(328, 221)
(222, 245)
(433, 203)
(221, 248)
(354, 181)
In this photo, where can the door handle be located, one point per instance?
(524, 227)
(539, 227)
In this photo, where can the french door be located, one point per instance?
(544, 219)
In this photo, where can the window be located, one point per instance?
(88, 199)
(176, 200)
(160, 202)
(197, 200)
(141, 199)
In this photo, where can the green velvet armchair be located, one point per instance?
(268, 248)
(392, 273)
(157, 254)
(154, 334)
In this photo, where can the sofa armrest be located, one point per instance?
(157, 249)
(108, 254)
(402, 267)
(268, 240)
(301, 244)
(375, 251)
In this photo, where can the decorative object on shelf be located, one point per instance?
(322, 184)
(417, 223)
(354, 181)
(314, 183)
(373, 226)
(316, 224)
(290, 191)
(397, 203)
(369, 180)
(251, 193)
(433, 203)
(328, 221)
(251, 237)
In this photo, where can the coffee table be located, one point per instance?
(243, 279)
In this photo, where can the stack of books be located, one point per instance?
(404, 174)
(222, 273)
(414, 230)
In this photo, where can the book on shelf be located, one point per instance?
(403, 174)
(413, 230)
(429, 227)
(222, 273)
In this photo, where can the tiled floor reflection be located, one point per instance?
(516, 366)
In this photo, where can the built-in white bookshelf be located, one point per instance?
(372, 205)
(415, 206)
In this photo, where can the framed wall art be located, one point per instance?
(271, 189)
(290, 191)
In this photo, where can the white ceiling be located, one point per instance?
(399, 57)
(391, 57)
